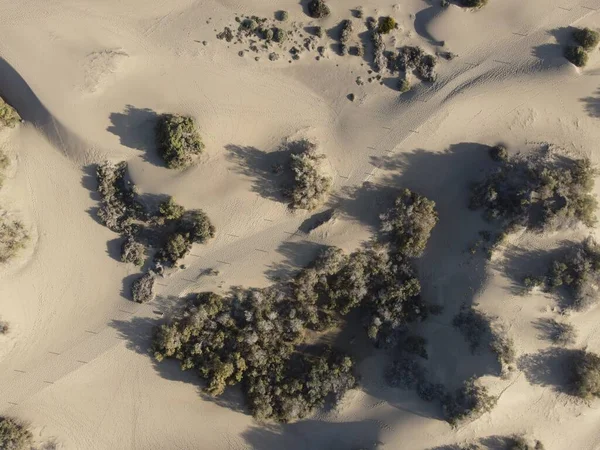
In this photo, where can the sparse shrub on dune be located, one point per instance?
(13, 237)
(8, 115)
(310, 186)
(468, 403)
(142, 289)
(318, 9)
(414, 58)
(404, 85)
(346, 33)
(177, 246)
(170, 210)
(379, 59)
(386, 25)
(197, 225)
(473, 3)
(588, 39)
(410, 222)
(14, 435)
(521, 443)
(119, 205)
(584, 371)
(576, 55)
(4, 327)
(133, 251)
(178, 140)
(499, 153)
(540, 191)
(562, 333)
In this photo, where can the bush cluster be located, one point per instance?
(120, 207)
(133, 251)
(562, 333)
(379, 59)
(252, 339)
(142, 289)
(584, 371)
(540, 191)
(415, 59)
(13, 237)
(178, 140)
(14, 435)
(587, 40)
(8, 115)
(318, 9)
(310, 186)
(468, 403)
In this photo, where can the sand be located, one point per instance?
(88, 77)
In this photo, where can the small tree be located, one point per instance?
(14, 435)
(178, 245)
(171, 210)
(198, 226)
(585, 374)
(576, 55)
(586, 38)
(178, 140)
(468, 403)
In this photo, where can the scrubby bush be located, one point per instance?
(310, 186)
(170, 210)
(178, 140)
(576, 55)
(318, 9)
(561, 333)
(13, 237)
(346, 32)
(474, 3)
(588, 39)
(386, 25)
(499, 153)
(544, 190)
(468, 403)
(133, 251)
(177, 246)
(252, 339)
(196, 224)
(142, 289)
(4, 327)
(4, 163)
(521, 443)
(379, 59)
(282, 16)
(414, 58)
(119, 204)
(585, 374)
(8, 115)
(410, 222)
(14, 435)
(279, 35)
(403, 85)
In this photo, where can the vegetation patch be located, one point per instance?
(584, 370)
(386, 25)
(468, 403)
(318, 9)
(8, 115)
(415, 59)
(310, 186)
(14, 435)
(142, 289)
(13, 237)
(473, 3)
(577, 55)
(178, 140)
(133, 251)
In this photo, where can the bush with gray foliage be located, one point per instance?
(415, 59)
(468, 403)
(142, 289)
(133, 251)
(310, 186)
(178, 140)
(14, 435)
(13, 237)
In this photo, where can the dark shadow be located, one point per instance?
(304, 5)
(549, 367)
(298, 254)
(266, 169)
(335, 34)
(424, 17)
(113, 248)
(369, 49)
(16, 91)
(316, 435)
(135, 129)
(316, 220)
(592, 105)
(89, 180)
(126, 285)
(552, 55)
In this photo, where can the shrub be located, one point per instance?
(499, 153)
(8, 115)
(133, 252)
(386, 25)
(561, 333)
(585, 374)
(474, 3)
(197, 226)
(414, 58)
(170, 210)
(310, 186)
(282, 16)
(403, 85)
(520, 443)
(13, 238)
(142, 289)
(576, 55)
(468, 403)
(318, 9)
(379, 59)
(14, 435)
(4, 327)
(346, 32)
(279, 35)
(177, 246)
(543, 190)
(588, 39)
(119, 205)
(178, 140)
(410, 222)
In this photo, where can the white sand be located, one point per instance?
(88, 76)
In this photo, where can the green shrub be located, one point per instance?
(282, 16)
(588, 39)
(468, 403)
(585, 374)
(279, 35)
(310, 186)
(178, 140)
(414, 58)
(8, 115)
(576, 55)
(386, 25)
(133, 251)
(14, 435)
(170, 210)
(142, 289)
(318, 9)
(197, 226)
(404, 85)
(177, 246)
(561, 333)
(13, 237)
(410, 222)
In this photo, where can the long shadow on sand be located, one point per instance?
(549, 367)
(424, 17)
(592, 105)
(553, 55)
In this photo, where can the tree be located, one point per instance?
(585, 374)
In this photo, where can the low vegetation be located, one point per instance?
(8, 115)
(133, 251)
(544, 190)
(587, 40)
(522, 443)
(318, 9)
(142, 289)
(386, 25)
(310, 186)
(415, 59)
(13, 237)
(178, 140)
(577, 55)
(561, 333)
(4, 163)
(468, 403)
(14, 435)
(584, 371)
(170, 210)
(473, 3)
